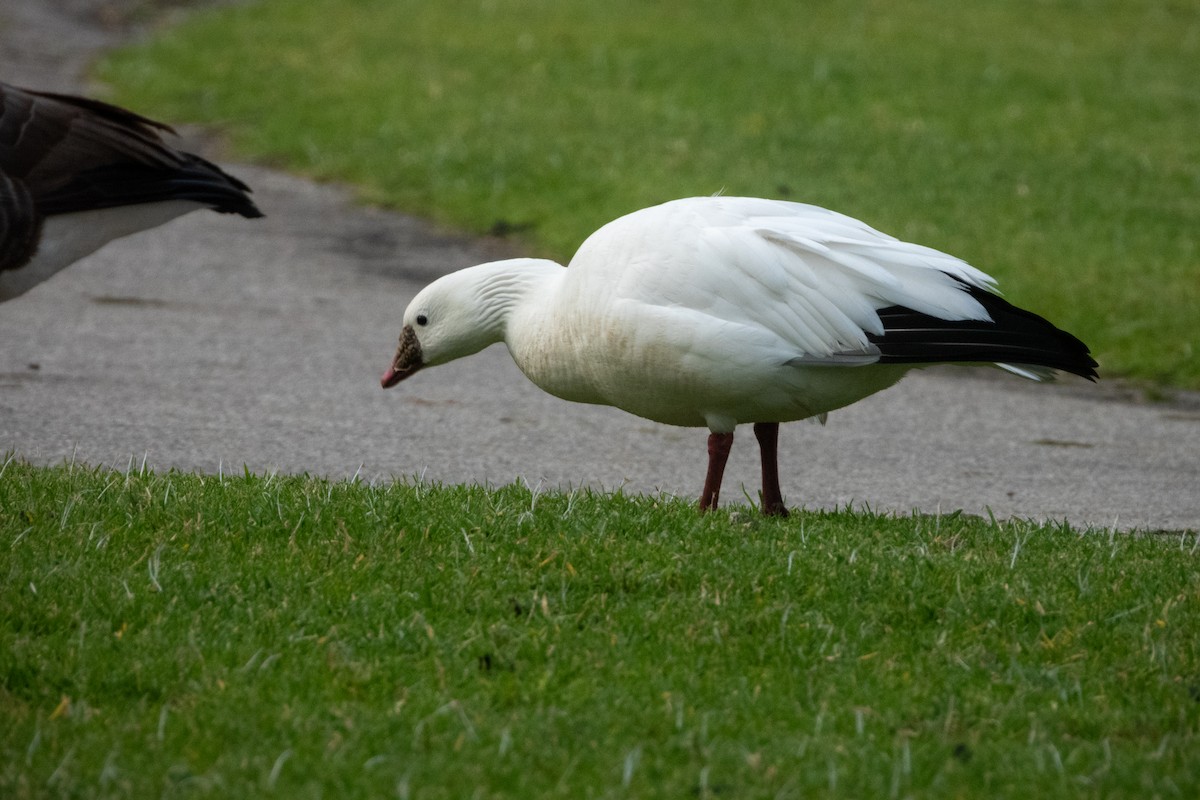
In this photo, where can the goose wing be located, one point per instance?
(61, 154)
(814, 279)
(77, 154)
(826, 288)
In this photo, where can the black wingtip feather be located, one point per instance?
(129, 184)
(1014, 336)
(77, 154)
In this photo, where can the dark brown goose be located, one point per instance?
(77, 173)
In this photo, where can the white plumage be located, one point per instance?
(718, 311)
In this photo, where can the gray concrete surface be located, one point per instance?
(214, 343)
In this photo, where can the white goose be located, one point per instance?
(717, 311)
(77, 173)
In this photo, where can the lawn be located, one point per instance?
(1051, 143)
(178, 635)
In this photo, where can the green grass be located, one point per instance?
(190, 636)
(1051, 143)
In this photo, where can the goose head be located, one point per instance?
(461, 313)
(441, 323)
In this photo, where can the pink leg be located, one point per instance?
(719, 445)
(767, 434)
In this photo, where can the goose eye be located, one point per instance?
(422, 319)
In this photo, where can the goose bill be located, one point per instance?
(407, 361)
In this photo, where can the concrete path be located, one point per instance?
(217, 343)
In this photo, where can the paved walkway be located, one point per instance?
(214, 343)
